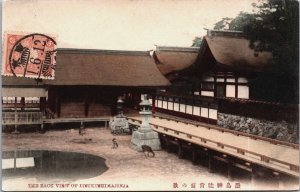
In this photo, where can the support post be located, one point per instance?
(194, 155)
(81, 128)
(210, 164)
(153, 103)
(180, 150)
(16, 118)
(168, 144)
(86, 103)
(277, 178)
(15, 160)
(254, 175)
(229, 171)
(57, 102)
(42, 128)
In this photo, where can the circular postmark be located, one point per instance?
(33, 55)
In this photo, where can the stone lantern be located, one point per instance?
(119, 123)
(145, 135)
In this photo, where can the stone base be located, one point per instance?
(119, 124)
(143, 137)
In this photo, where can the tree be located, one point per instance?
(223, 24)
(236, 24)
(197, 42)
(275, 28)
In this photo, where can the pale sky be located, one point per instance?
(119, 24)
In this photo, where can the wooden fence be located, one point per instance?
(22, 117)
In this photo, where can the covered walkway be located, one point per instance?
(275, 155)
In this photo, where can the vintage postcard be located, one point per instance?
(138, 95)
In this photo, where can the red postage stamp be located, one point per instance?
(31, 55)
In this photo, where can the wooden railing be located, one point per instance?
(20, 105)
(270, 162)
(21, 117)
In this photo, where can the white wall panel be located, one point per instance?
(159, 103)
(182, 108)
(243, 92)
(207, 93)
(230, 90)
(176, 106)
(170, 105)
(8, 163)
(189, 109)
(213, 114)
(196, 110)
(25, 162)
(165, 103)
(204, 112)
(232, 80)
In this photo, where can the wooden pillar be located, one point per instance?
(86, 103)
(16, 118)
(81, 129)
(15, 160)
(210, 164)
(194, 155)
(41, 162)
(277, 179)
(57, 102)
(168, 144)
(236, 87)
(180, 150)
(254, 175)
(42, 128)
(42, 103)
(23, 103)
(50, 103)
(153, 104)
(114, 99)
(229, 170)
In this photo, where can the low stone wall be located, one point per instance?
(275, 130)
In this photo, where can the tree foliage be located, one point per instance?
(197, 42)
(275, 28)
(235, 24)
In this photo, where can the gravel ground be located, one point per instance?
(128, 169)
